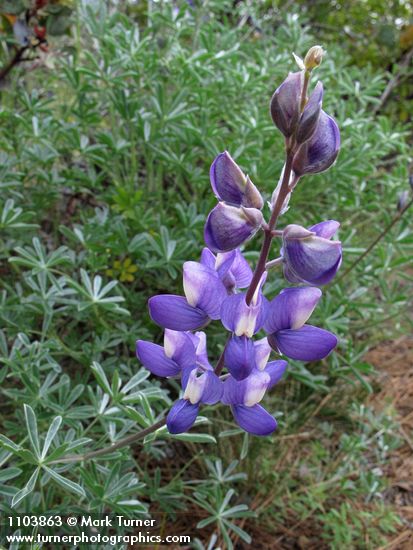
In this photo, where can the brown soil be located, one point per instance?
(394, 360)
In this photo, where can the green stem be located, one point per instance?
(125, 442)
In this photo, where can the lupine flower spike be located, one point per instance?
(222, 286)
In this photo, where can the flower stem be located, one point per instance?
(220, 363)
(17, 58)
(265, 249)
(286, 187)
(125, 442)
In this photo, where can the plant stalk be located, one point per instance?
(17, 57)
(125, 442)
(265, 249)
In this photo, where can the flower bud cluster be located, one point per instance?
(222, 286)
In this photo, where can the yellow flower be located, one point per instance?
(123, 270)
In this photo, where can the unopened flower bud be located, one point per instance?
(321, 150)
(285, 104)
(403, 200)
(313, 58)
(231, 185)
(311, 114)
(227, 227)
(309, 254)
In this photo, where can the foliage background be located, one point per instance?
(106, 144)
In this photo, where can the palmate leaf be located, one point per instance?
(101, 377)
(95, 295)
(31, 424)
(51, 433)
(194, 438)
(27, 489)
(38, 260)
(13, 217)
(17, 450)
(9, 473)
(67, 484)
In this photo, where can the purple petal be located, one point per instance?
(234, 391)
(255, 420)
(294, 231)
(203, 288)
(201, 386)
(181, 416)
(213, 389)
(318, 153)
(252, 197)
(174, 312)
(305, 344)
(154, 359)
(262, 353)
(249, 391)
(227, 179)
(276, 370)
(227, 227)
(207, 258)
(199, 341)
(325, 229)
(194, 384)
(241, 271)
(240, 356)
(230, 184)
(291, 308)
(241, 319)
(289, 275)
(314, 260)
(186, 374)
(179, 347)
(285, 103)
(309, 118)
(224, 262)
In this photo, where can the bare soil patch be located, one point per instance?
(394, 361)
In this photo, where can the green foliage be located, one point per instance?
(104, 179)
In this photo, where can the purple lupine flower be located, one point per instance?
(243, 319)
(309, 255)
(227, 226)
(204, 293)
(244, 395)
(311, 114)
(240, 356)
(285, 108)
(178, 353)
(237, 217)
(232, 268)
(200, 387)
(321, 150)
(288, 333)
(285, 103)
(200, 344)
(211, 285)
(230, 184)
